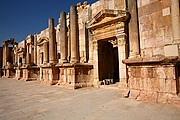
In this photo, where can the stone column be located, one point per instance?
(91, 49)
(95, 58)
(3, 54)
(74, 35)
(122, 54)
(28, 58)
(133, 29)
(35, 49)
(16, 54)
(27, 54)
(175, 20)
(52, 42)
(5, 51)
(46, 55)
(63, 38)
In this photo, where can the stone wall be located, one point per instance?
(153, 76)
(155, 26)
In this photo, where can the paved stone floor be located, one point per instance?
(20, 100)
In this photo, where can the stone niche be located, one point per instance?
(75, 75)
(154, 79)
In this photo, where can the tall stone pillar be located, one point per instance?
(122, 54)
(175, 20)
(63, 38)
(52, 42)
(5, 53)
(95, 58)
(46, 55)
(28, 58)
(16, 54)
(74, 35)
(27, 54)
(133, 29)
(35, 49)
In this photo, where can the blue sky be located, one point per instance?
(19, 18)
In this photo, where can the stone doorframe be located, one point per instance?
(110, 24)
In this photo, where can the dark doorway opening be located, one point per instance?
(108, 62)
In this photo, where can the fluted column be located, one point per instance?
(74, 35)
(46, 55)
(52, 42)
(63, 38)
(133, 29)
(35, 49)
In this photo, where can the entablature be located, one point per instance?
(42, 40)
(107, 17)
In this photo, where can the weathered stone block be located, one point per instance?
(158, 51)
(159, 72)
(142, 96)
(144, 34)
(145, 2)
(143, 19)
(170, 72)
(156, 15)
(152, 96)
(155, 84)
(171, 50)
(138, 72)
(141, 84)
(134, 94)
(162, 85)
(148, 52)
(173, 86)
(145, 83)
(162, 98)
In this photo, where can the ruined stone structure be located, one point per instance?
(134, 43)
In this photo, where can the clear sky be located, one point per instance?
(19, 18)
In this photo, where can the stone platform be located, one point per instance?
(20, 100)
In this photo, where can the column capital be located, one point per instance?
(95, 44)
(121, 38)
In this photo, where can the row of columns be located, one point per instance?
(74, 47)
(49, 48)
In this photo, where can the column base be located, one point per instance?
(74, 60)
(134, 56)
(63, 61)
